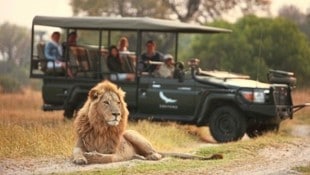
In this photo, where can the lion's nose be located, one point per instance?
(116, 114)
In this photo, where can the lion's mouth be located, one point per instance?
(113, 123)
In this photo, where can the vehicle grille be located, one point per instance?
(281, 96)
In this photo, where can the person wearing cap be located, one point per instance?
(150, 55)
(166, 70)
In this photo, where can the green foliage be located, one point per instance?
(8, 84)
(13, 77)
(14, 55)
(303, 169)
(255, 46)
(190, 10)
(14, 43)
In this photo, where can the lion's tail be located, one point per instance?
(193, 157)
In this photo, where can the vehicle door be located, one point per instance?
(167, 96)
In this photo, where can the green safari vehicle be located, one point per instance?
(230, 104)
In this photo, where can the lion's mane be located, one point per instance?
(96, 134)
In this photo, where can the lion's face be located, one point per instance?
(109, 107)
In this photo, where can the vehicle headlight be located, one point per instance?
(254, 95)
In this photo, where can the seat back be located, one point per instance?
(41, 57)
(79, 57)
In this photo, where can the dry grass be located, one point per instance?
(26, 131)
(165, 136)
(300, 97)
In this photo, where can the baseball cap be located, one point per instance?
(168, 56)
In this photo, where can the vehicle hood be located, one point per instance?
(231, 79)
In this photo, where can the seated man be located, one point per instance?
(166, 70)
(150, 55)
(71, 41)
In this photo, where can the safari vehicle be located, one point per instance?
(230, 104)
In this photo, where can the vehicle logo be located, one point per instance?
(165, 98)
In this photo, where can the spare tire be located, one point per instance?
(281, 77)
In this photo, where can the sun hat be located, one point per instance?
(168, 56)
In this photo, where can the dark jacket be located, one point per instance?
(115, 64)
(144, 58)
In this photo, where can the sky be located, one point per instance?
(21, 12)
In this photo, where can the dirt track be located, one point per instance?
(278, 160)
(271, 160)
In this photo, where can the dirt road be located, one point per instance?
(275, 160)
(270, 160)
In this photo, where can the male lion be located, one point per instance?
(102, 138)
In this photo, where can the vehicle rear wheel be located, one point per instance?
(227, 124)
(69, 113)
(71, 110)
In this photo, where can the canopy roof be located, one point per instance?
(125, 23)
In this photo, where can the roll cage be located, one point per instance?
(104, 24)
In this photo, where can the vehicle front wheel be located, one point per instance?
(227, 124)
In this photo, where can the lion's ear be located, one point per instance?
(121, 92)
(93, 94)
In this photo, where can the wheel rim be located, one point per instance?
(226, 125)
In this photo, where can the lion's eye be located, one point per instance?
(106, 102)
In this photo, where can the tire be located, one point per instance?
(227, 124)
(281, 77)
(72, 111)
(69, 113)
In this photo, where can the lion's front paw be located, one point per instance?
(80, 160)
(154, 156)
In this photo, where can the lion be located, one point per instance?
(101, 132)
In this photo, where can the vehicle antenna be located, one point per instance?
(259, 56)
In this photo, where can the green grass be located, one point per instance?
(305, 170)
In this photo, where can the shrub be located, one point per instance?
(9, 84)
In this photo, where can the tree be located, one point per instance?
(14, 54)
(295, 15)
(292, 13)
(255, 46)
(183, 10)
(14, 43)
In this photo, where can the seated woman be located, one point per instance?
(116, 65)
(53, 52)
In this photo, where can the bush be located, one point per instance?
(9, 84)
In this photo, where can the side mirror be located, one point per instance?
(179, 71)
